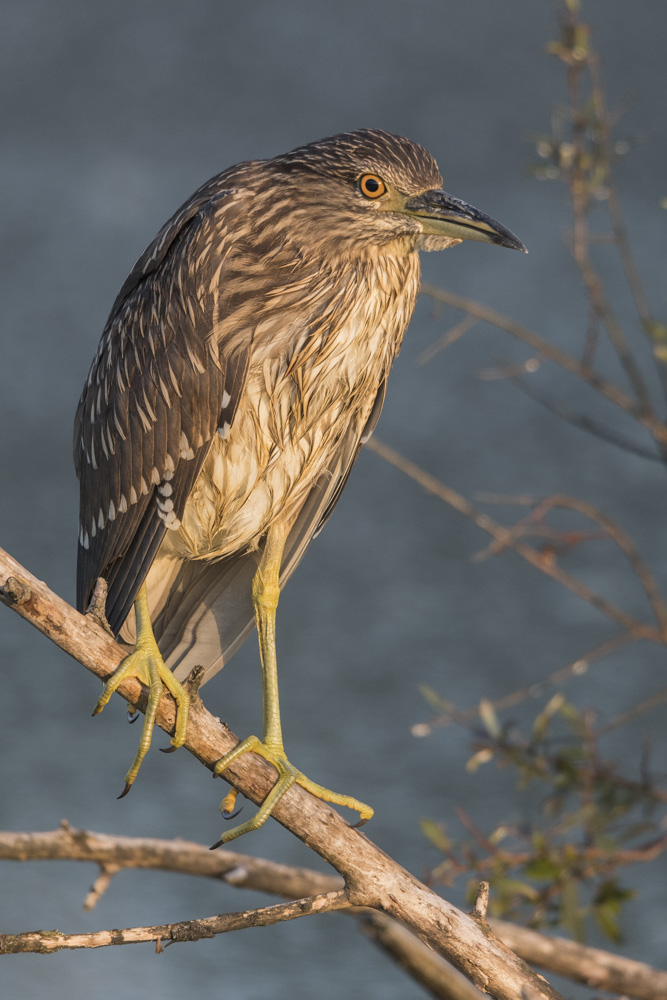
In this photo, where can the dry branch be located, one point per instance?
(45, 942)
(371, 877)
(597, 968)
(117, 853)
(506, 539)
(561, 358)
(576, 668)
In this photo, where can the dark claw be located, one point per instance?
(167, 749)
(125, 791)
(355, 826)
(228, 816)
(132, 717)
(217, 844)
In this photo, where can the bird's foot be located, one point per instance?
(288, 775)
(147, 665)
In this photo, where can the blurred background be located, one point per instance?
(111, 115)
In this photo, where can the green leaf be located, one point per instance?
(488, 716)
(571, 915)
(607, 920)
(433, 698)
(572, 716)
(611, 892)
(513, 886)
(435, 833)
(607, 905)
(481, 757)
(543, 870)
(542, 721)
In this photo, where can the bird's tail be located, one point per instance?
(202, 611)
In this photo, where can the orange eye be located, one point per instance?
(372, 186)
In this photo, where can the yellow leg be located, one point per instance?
(265, 594)
(147, 665)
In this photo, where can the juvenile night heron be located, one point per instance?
(242, 368)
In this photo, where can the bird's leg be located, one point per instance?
(147, 665)
(265, 594)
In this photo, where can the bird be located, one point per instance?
(243, 366)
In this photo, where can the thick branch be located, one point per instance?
(371, 877)
(598, 969)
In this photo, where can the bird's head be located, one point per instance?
(366, 191)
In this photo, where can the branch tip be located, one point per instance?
(481, 901)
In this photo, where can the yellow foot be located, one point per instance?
(146, 664)
(287, 776)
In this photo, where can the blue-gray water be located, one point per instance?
(111, 114)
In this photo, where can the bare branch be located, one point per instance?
(581, 194)
(190, 858)
(659, 698)
(576, 668)
(481, 900)
(596, 968)
(505, 538)
(180, 856)
(413, 956)
(585, 423)
(371, 877)
(625, 544)
(100, 885)
(448, 337)
(115, 853)
(46, 942)
(561, 358)
(533, 523)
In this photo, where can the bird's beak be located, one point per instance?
(442, 215)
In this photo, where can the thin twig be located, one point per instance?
(504, 536)
(448, 337)
(583, 422)
(614, 207)
(580, 248)
(659, 698)
(47, 942)
(623, 541)
(599, 856)
(576, 668)
(561, 358)
(611, 530)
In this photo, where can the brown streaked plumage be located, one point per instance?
(242, 367)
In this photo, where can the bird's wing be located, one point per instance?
(209, 613)
(153, 401)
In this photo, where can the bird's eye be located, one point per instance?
(372, 186)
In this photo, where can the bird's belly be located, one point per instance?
(278, 447)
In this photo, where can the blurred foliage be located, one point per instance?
(563, 868)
